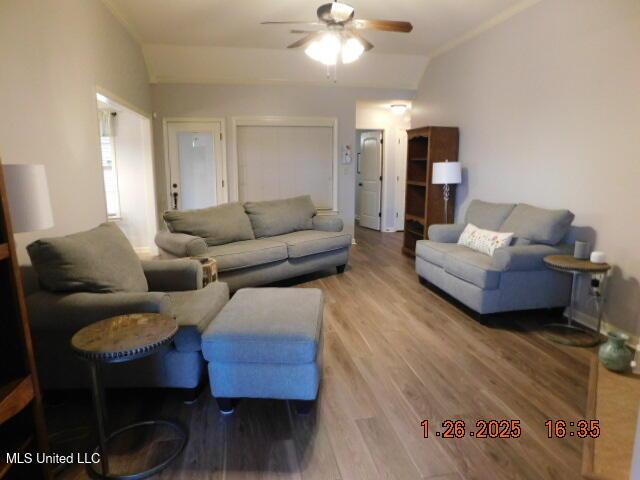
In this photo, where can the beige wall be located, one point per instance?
(548, 104)
(226, 101)
(53, 53)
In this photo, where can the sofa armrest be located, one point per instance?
(70, 312)
(446, 233)
(327, 223)
(176, 275)
(526, 257)
(181, 244)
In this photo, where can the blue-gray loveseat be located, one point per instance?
(515, 277)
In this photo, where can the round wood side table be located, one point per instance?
(577, 267)
(117, 340)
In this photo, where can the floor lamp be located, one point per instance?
(446, 173)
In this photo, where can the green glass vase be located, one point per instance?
(614, 354)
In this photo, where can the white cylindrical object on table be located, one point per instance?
(28, 194)
(598, 257)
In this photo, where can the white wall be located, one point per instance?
(548, 105)
(378, 116)
(53, 53)
(190, 100)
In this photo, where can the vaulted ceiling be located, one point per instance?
(210, 40)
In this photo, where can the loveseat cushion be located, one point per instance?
(277, 217)
(100, 260)
(217, 225)
(473, 267)
(436, 252)
(487, 215)
(193, 311)
(248, 253)
(310, 242)
(267, 325)
(537, 225)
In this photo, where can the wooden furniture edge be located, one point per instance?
(588, 447)
(14, 397)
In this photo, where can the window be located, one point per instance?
(110, 174)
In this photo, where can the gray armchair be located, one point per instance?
(175, 288)
(515, 277)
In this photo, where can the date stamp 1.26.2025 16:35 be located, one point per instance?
(510, 429)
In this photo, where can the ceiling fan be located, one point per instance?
(339, 36)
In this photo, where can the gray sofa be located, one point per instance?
(258, 243)
(94, 275)
(515, 277)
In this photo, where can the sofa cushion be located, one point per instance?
(248, 253)
(266, 325)
(310, 242)
(217, 225)
(537, 225)
(194, 310)
(473, 267)
(436, 252)
(100, 260)
(484, 241)
(277, 217)
(487, 215)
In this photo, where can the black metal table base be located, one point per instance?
(183, 437)
(592, 337)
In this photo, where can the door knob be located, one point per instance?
(359, 184)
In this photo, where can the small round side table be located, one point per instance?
(118, 340)
(577, 267)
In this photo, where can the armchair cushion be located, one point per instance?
(526, 257)
(436, 252)
(181, 244)
(446, 233)
(487, 215)
(538, 225)
(473, 267)
(277, 217)
(217, 225)
(55, 312)
(173, 275)
(100, 260)
(327, 223)
(194, 311)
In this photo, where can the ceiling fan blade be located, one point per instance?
(303, 31)
(366, 43)
(293, 23)
(383, 25)
(304, 40)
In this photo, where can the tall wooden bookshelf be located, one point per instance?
(424, 202)
(22, 426)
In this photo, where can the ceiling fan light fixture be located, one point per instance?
(326, 49)
(352, 49)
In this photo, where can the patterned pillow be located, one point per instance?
(483, 241)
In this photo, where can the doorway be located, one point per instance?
(196, 166)
(128, 171)
(369, 178)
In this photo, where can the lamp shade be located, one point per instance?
(28, 194)
(447, 173)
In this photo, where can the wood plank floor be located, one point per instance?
(395, 354)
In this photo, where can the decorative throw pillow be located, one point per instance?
(483, 241)
(100, 260)
(217, 225)
(277, 217)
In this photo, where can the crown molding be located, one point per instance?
(483, 27)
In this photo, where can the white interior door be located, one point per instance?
(196, 166)
(370, 179)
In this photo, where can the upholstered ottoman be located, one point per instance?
(266, 343)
